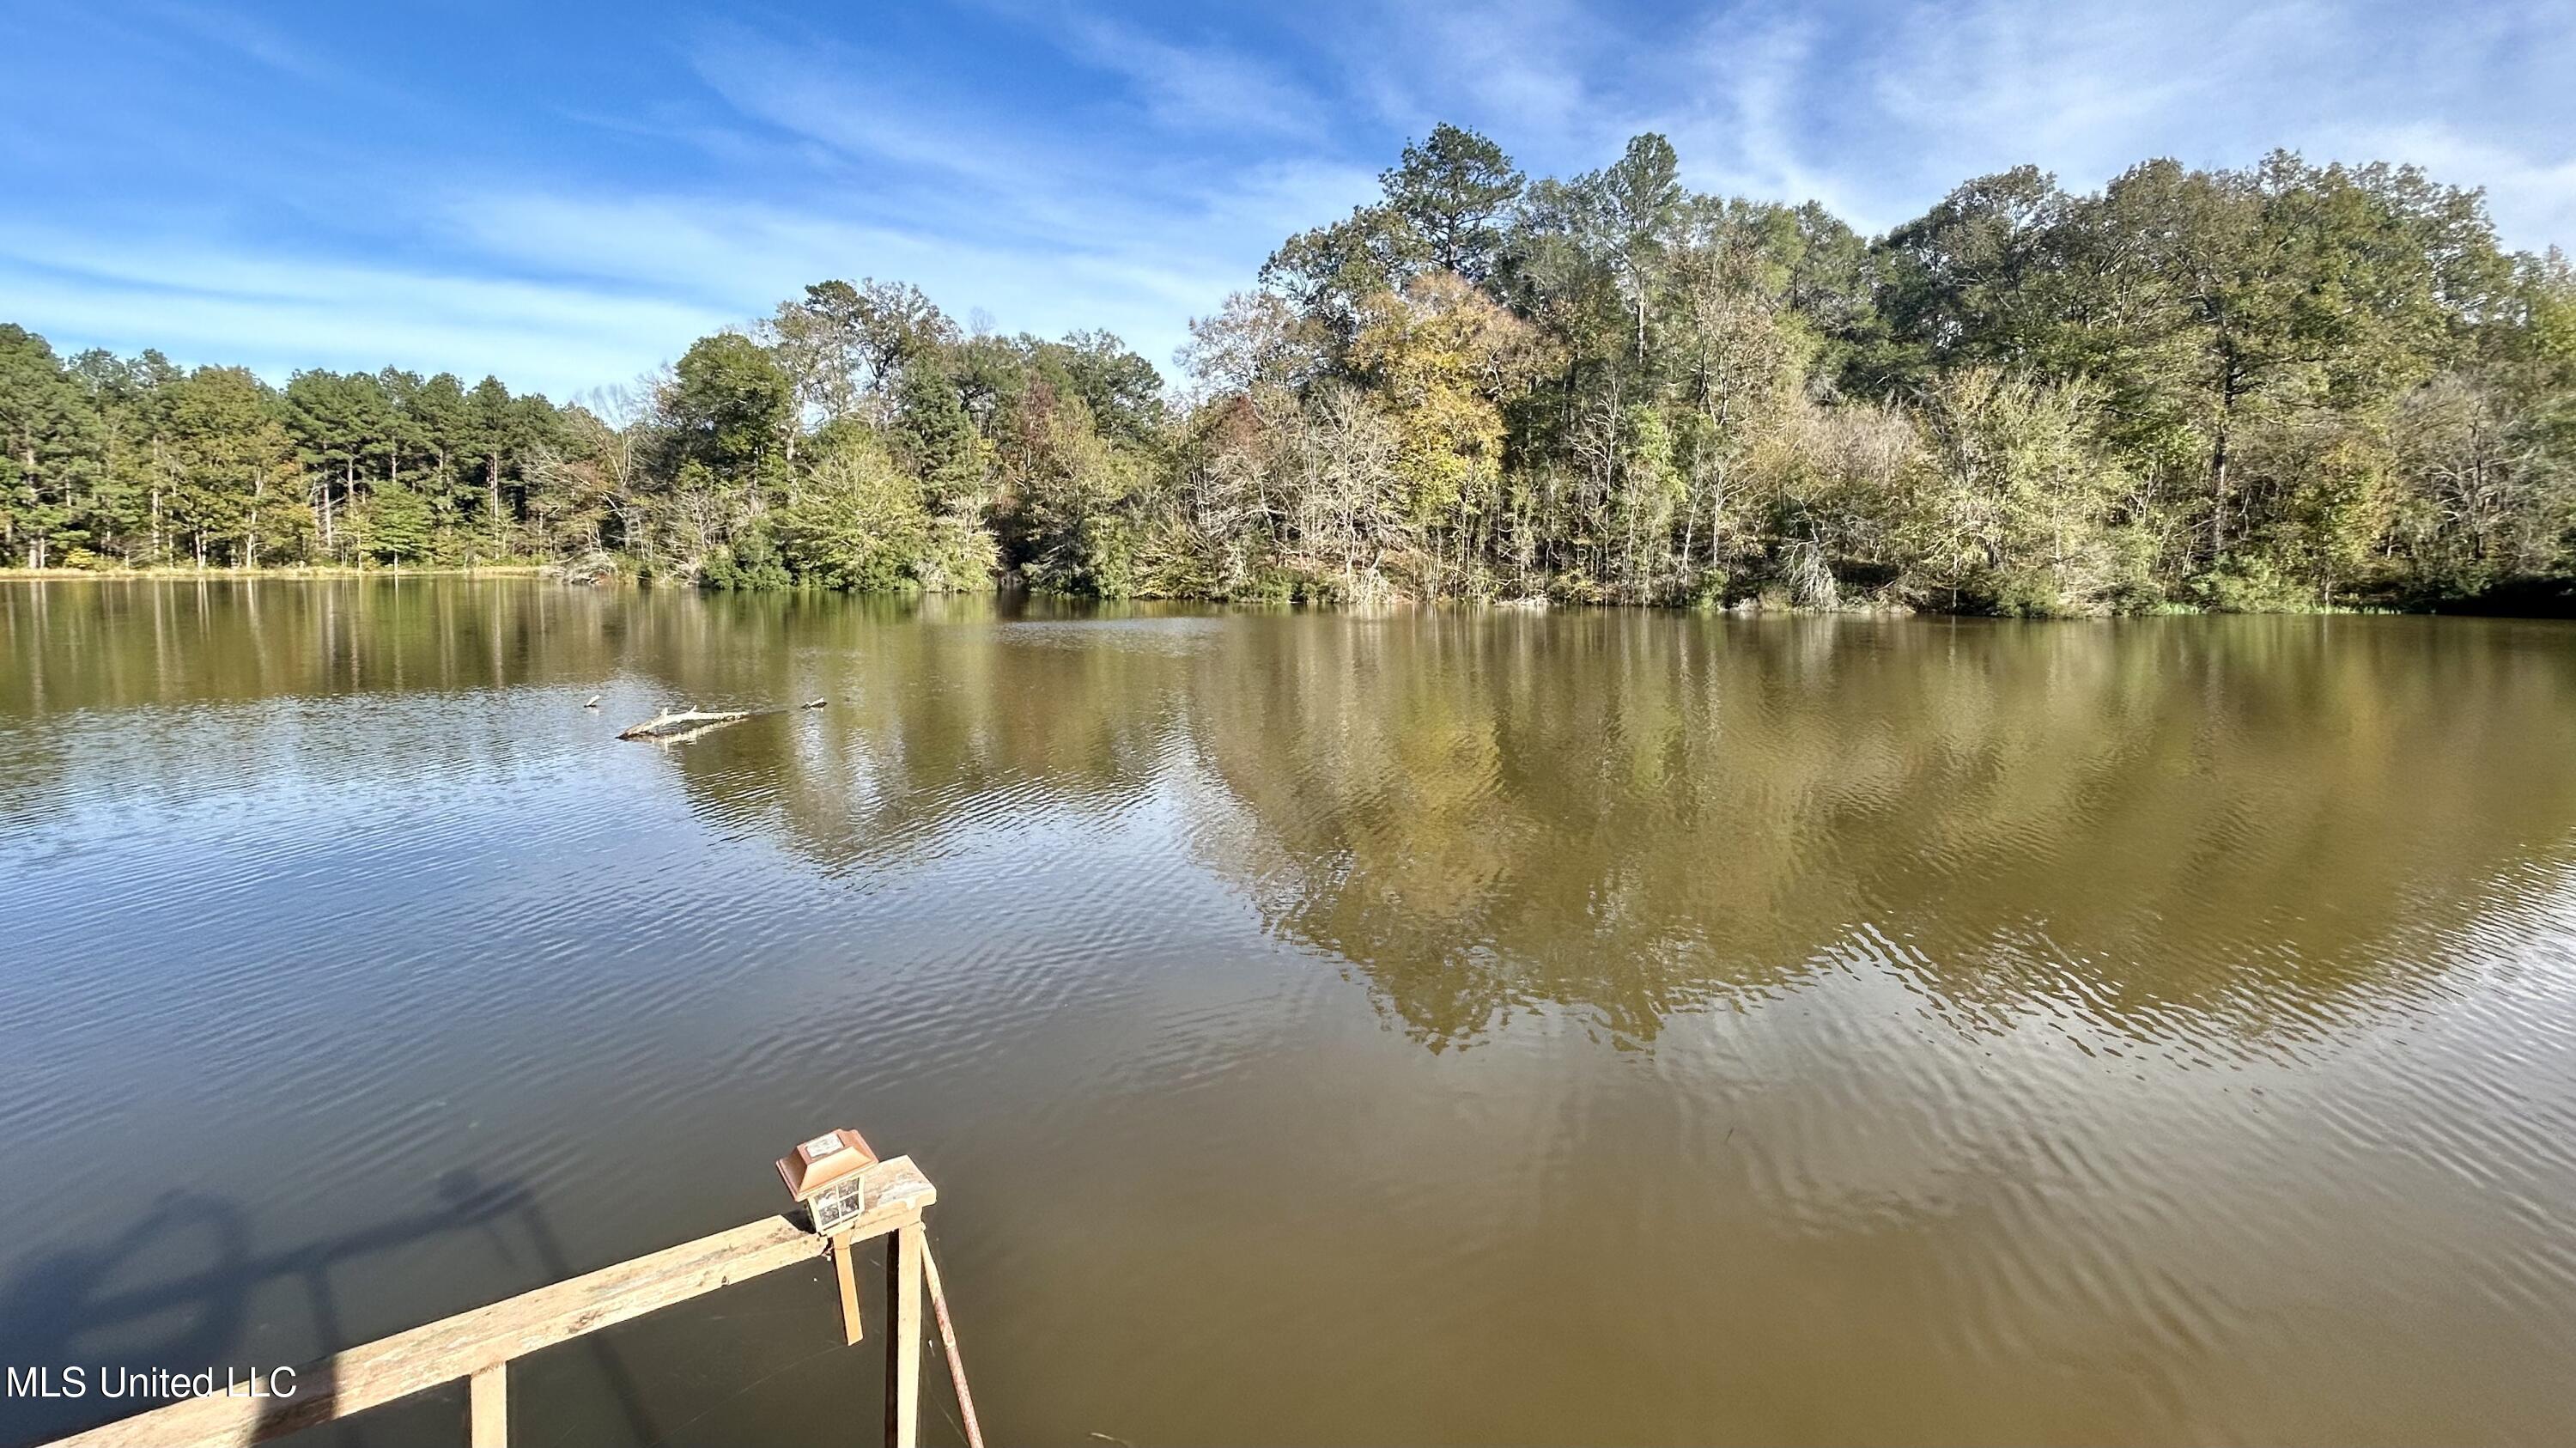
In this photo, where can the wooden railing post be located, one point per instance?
(479, 1345)
(903, 1337)
(487, 1396)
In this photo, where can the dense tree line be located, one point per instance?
(2287, 386)
(137, 463)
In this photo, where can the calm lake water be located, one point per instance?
(1605, 1027)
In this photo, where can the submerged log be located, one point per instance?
(684, 724)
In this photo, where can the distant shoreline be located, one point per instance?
(2547, 598)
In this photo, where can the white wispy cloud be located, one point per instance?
(1113, 172)
(1044, 227)
(737, 260)
(248, 36)
(2088, 91)
(1521, 68)
(862, 104)
(2533, 196)
(1188, 86)
(1738, 123)
(278, 312)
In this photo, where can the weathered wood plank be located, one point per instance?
(851, 1329)
(458, 1347)
(903, 1343)
(948, 1341)
(487, 1396)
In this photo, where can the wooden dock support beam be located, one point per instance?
(487, 1395)
(478, 1346)
(903, 1344)
(948, 1344)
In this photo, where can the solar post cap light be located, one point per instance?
(828, 1177)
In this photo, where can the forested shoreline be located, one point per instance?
(2284, 387)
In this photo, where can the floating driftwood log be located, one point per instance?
(682, 724)
(676, 726)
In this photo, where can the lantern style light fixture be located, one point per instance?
(828, 1176)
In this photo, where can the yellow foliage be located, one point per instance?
(1440, 358)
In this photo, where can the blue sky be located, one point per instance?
(567, 195)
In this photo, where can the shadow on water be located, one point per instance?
(79, 1306)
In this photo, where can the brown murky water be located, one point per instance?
(1430, 1028)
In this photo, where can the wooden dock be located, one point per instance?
(478, 1346)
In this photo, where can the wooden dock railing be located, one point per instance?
(477, 1346)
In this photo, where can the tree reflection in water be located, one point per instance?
(1759, 1006)
(2256, 824)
